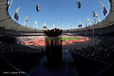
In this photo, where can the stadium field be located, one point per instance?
(37, 41)
(65, 38)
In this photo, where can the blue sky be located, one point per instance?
(57, 12)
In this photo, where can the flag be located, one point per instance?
(37, 7)
(35, 23)
(88, 20)
(104, 8)
(80, 24)
(79, 3)
(95, 14)
(102, 4)
(16, 16)
(26, 19)
(105, 11)
(17, 10)
(44, 26)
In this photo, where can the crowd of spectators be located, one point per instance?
(101, 52)
(7, 39)
(8, 48)
(20, 57)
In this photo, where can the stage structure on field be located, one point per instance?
(53, 48)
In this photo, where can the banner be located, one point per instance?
(37, 7)
(16, 16)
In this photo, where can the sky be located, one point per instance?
(57, 12)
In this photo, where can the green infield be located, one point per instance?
(65, 38)
(70, 38)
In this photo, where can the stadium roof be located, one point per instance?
(8, 23)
